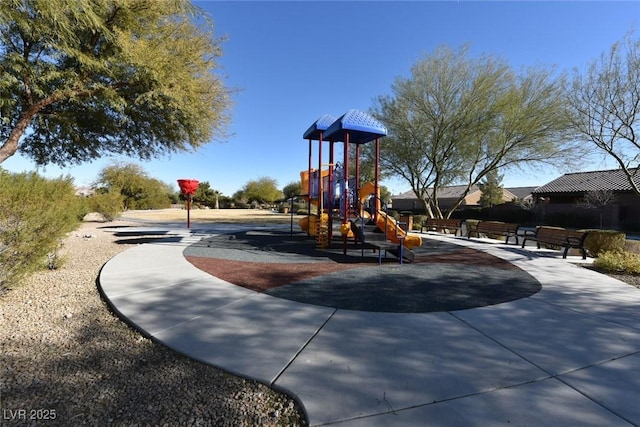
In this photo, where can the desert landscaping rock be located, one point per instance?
(67, 360)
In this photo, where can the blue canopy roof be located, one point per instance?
(320, 125)
(361, 126)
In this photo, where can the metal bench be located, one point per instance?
(556, 236)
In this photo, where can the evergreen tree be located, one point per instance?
(492, 190)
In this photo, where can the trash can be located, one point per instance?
(406, 220)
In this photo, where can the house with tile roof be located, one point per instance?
(447, 196)
(566, 194)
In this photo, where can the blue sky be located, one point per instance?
(294, 61)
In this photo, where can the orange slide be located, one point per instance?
(395, 232)
(367, 189)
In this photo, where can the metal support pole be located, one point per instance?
(356, 190)
(377, 206)
(320, 189)
(309, 191)
(189, 210)
(345, 196)
(331, 189)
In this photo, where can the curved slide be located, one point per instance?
(395, 233)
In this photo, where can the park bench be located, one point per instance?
(495, 228)
(442, 225)
(556, 236)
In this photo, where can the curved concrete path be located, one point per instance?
(568, 355)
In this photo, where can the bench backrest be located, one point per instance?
(559, 235)
(497, 227)
(443, 222)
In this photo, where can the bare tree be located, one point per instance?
(598, 199)
(606, 103)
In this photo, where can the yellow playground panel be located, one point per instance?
(312, 196)
(311, 224)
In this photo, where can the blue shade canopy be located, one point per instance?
(320, 125)
(361, 126)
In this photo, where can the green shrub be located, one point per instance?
(299, 206)
(618, 261)
(83, 207)
(418, 220)
(598, 241)
(35, 214)
(394, 214)
(108, 204)
(472, 226)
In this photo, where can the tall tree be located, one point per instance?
(292, 189)
(606, 102)
(83, 78)
(492, 190)
(137, 188)
(262, 190)
(207, 195)
(455, 119)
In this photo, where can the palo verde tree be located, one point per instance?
(606, 102)
(83, 78)
(456, 119)
(137, 189)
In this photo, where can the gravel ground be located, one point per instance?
(65, 359)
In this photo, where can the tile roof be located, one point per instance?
(452, 191)
(521, 192)
(614, 180)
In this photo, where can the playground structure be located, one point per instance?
(331, 192)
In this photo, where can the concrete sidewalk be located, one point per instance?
(568, 355)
